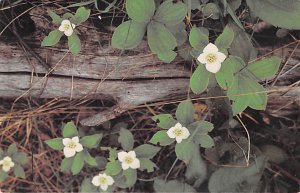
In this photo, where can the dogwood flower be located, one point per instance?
(71, 146)
(212, 58)
(67, 27)
(178, 132)
(7, 163)
(103, 181)
(128, 160)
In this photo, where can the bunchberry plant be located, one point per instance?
(67, 24)
(75, 148)
(12, 162)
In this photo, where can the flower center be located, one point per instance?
(6, 163)
(211, 58)
(66, 27)
(128, 160)
(102, 180)
(177, 132)
(72, 145)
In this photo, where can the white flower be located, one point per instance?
(7, 163)
(178, 132)
(212, 58)
(71, 146)
(67, 27)
(128, 160)
(103, 181)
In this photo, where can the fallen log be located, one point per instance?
(130, 78)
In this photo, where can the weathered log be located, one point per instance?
(98, 72)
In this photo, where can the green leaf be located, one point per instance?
(131, 176)
(78, 163)
(184, 149)
(242, 179)
(265, 68)
(128, 35)
(91, 141)
(200, 79)
(69, 130)
(126, 139)
(165, 121)
(140, 10)
(242, 46)
(179, 32)
(162, 138)
(52, 39)
(66, 164)
(20, 158)
(3, 175)
(55, 18)
(161, 41)
(225, 39)
(146, 151)
(55, 143)
(1, 154)
(12, 149)
(204, 140)
(74, 43)
(185, 112)
(89, 159)
(87, 186)
(211, 10)
(225, 76)
(167, 57)
(113, 168)
(171, 12)
(277, 12)
(172, 186)
(101, 161)
(196, 170)
(19, 171)
(198, 38)
(234, 4)
(147, 164)
(113, 154)
(81, 15)
(203, 127)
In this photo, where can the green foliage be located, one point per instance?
(19, 171)
(131, 177)
(162, 138)
(140, 10)
(69, 130)
(200, 79)
(66, 164)
(20, 158)
(55, 143)
(81, 15)
(87, 186)
(3, 175)
(146, 151)
(89, 159)
(225, 76)
(243, 179)
(211, 10)
(91, 141)
(113, 168)
(171, 12)
(172, 186)
(164, 121)
(126, 139)
(147, 164)
(225, 39)
(74, 44)
(128, 35)
(277, 12)
(185, 112)
(53, 38)
(198, 38)
(184, 150)
(12, 149)
(265, 68)
(161, 41)
(78, 163)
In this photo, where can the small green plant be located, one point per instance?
(67, 26)
(162, 25)
(75, 148)
(12, 160)
(187, 132)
